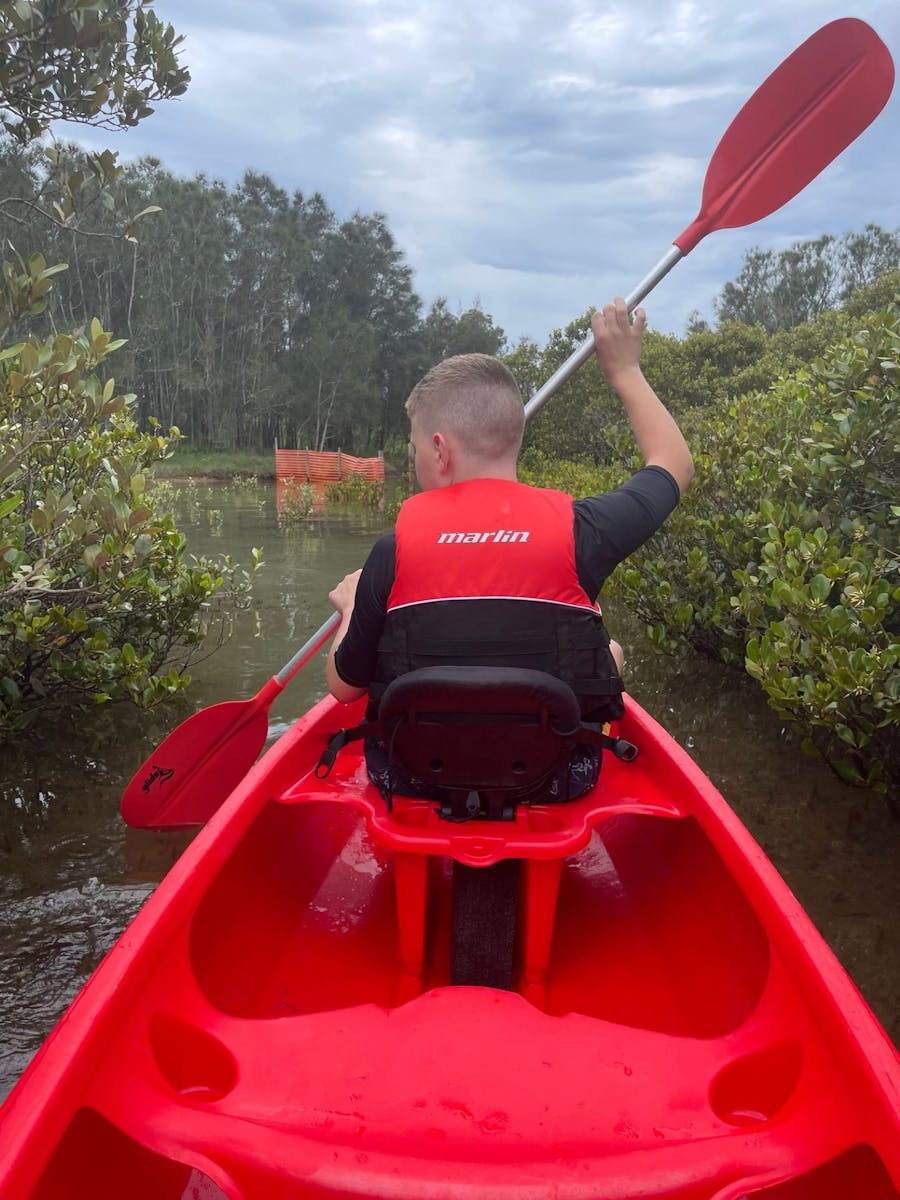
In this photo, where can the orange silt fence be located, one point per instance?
(325, 466)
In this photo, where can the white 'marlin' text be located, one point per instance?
(492, 536)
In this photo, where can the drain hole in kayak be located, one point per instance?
(193, 1062)
(751, 1090)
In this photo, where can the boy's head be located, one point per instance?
(474, 399)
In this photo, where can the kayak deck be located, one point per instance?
(285, 1028)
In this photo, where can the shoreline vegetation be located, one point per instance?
(188, 462)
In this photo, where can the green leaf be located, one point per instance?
(11, 503)
(820, 587)
(848, 772)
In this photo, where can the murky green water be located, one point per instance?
(72, 875)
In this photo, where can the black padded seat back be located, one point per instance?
(480, 729)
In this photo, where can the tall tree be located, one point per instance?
(97, 599)
(372, 280)
(866, 256)
(97, 62)
(250, 314)
(795, 285)
(472, 331)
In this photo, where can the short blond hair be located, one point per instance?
(475, 397)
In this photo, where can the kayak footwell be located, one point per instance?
(288, 1037)
(95, 1150)
(263, 1065)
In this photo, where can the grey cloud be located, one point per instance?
(529, 153)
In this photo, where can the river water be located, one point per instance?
(72, 875)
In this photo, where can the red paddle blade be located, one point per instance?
(808, 110)
(186, 779)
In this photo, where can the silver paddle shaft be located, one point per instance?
(586, 349)
(310, 647)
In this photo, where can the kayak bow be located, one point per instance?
(279, 1020)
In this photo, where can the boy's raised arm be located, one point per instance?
(618, 343)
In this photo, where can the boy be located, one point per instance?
(483, 569)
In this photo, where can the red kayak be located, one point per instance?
(313, 1004)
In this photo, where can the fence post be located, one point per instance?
(339, 466)
(306, 452)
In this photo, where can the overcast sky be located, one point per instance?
(537, 157)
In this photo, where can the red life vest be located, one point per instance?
(486, 575)
(487, 538)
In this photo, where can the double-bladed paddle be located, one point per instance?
(798, 121)
(185, 780)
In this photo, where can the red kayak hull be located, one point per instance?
(278, 1020)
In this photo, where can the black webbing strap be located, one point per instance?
(626, 751)
(339, 740)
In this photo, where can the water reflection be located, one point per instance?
(72, 875)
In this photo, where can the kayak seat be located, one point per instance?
(479, 739)
(483, 740)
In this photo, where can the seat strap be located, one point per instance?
(339, 740)
(620, 747)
